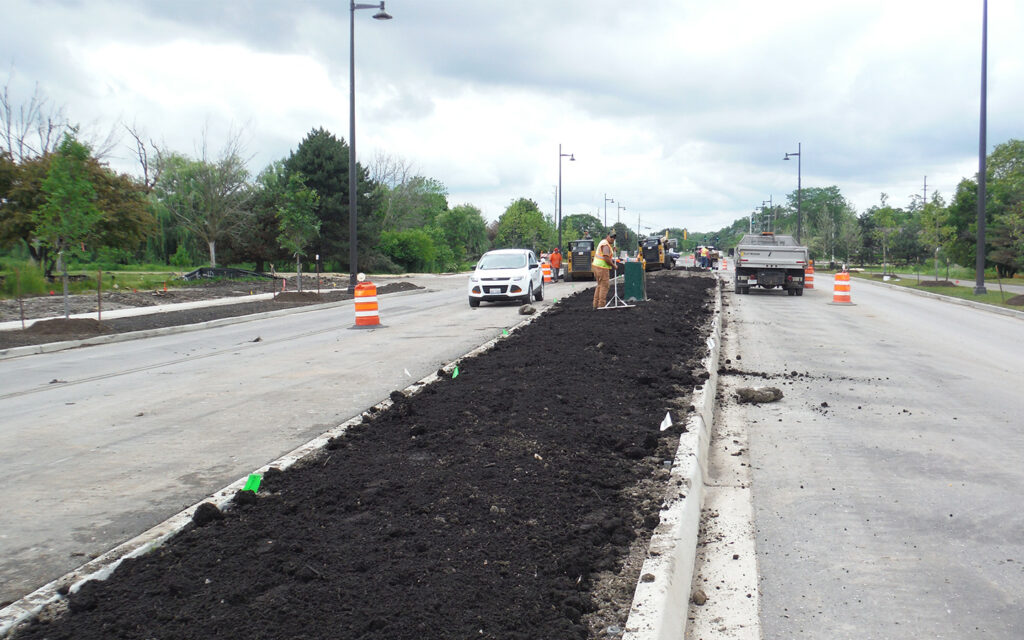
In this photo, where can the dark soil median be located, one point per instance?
(490, 505)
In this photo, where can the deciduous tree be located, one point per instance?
(68, 216)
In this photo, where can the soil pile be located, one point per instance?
(489, 505)
(63, 326)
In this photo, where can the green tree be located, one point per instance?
(416, 202)
(523, 226)
(323, 160)
(412, 249)
(936, 230)
(208, 198)
(69, 215)
(297, 220)
(464, 231)
(574, 226)
(1007, 239)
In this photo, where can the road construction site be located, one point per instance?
(556, 500)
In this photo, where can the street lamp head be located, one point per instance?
(787, 157)
(572, 158)
(382, 14)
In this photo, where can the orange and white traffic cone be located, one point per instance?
(841, 289)
(809, 275)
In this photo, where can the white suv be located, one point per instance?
(506, 274)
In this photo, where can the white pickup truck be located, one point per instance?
(767, 260)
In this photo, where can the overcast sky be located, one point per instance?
(679, 110)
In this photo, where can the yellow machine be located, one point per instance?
(578, 262)
(657, 252)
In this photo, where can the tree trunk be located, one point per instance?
(213, 253)
(64, 277)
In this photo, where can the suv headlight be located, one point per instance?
(518, 278)
(474, 278)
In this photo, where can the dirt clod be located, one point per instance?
(758, 395)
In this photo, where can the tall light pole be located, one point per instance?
(771, 214)
(979, 258)
(606, 201)
(353, 249)
(799, 189)
(618, 214)
(571, 159)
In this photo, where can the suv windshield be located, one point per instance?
(503, 261)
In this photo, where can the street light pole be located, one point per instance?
(606, 201)
(979, 257)
(572, 158)
(799, 188)
(353, 249)
(771, 212)
(618, 214)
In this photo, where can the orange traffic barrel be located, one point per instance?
(809, 275)
(841, 291)
(546, 270)
(366, 305)
(725, 264)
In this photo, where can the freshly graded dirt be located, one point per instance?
(62, 329)
(502, 503)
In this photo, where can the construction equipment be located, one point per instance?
(579, 265)
(770, 261)
(657, 252)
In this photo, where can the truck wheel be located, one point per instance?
(800, 291)
(568, 277)
(791, 292)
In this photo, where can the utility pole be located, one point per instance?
(925, 191)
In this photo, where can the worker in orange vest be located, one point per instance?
(556, 263)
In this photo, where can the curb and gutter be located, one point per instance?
(1013, 313)
(661, 601)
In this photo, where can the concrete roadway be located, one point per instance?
(99, 444)
(896, 509)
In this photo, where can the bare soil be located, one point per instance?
(511, 501)
(62, 329)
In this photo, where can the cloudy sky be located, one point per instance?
(680, 110)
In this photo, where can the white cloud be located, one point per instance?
(682, 111)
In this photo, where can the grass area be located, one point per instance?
(992, 295)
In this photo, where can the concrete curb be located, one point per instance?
(661, 601)
(50, 347)
(104, 565)
(938, 296)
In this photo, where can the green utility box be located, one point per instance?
(634, 288)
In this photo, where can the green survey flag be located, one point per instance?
(455, 374)
(253, 483)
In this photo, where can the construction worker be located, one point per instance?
(704, 262)
(556, 263)
(604, 262)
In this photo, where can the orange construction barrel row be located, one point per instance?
(366, 305)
